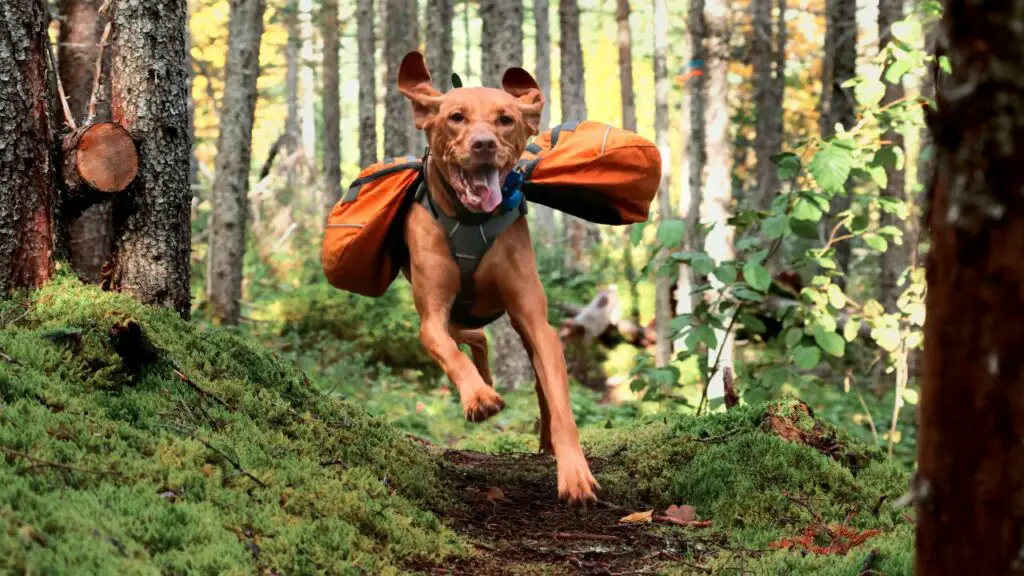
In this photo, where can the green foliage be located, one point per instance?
(135, 442)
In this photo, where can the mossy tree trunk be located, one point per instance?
(28, 184)
(152, 238)
(970, 478)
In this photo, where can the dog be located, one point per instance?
(475, 138)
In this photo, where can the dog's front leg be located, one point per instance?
(529, 317)
(479, 401)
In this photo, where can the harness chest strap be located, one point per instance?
(469, 240)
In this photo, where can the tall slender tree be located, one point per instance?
(545, 216)
(696, 147)
(769, 85)
(838, 105)
(684, 284)
(234, 152)
(331, 107)
(90, 232)
(440, 14)
(501, 38)
(401, 36)
(28, 179)
(307, 87)
(628, 97)
(897, 257)
(970, 461)
(663, 283)
(717, 196)
(152, 233)
(291, 129)
(367, 47)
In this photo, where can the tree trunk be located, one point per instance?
(545, 216)
(717, 199)
(579, 233)
(697, 148)
(684, 282)
(970, 477)
(401, 31)
(367, 83)
(440, 14)
(838, 103)
(89, 235)
(628, 97)
(896, 259)
(307, 88)
(768, 93)
(332, 108)
(152, 239)
(292, 86)
(663, 282)
(501, 38)
(28, 185)
(234, 151)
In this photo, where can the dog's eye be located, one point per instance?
(457, 117)
(506, 120)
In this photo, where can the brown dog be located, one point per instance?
(476, 136)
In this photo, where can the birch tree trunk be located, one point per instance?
(501, 38)
(897, 257)
(440, 14)
(544, 216)
(663, 282)
(89, 234)
(971, 439)
(28, 177)
(331, 108)
(628, 97)
(152, 234)
(401, 30)
(234, 152)
(717, 198)
(367, 47)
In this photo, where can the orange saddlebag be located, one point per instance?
(364, 245)
(592, 171)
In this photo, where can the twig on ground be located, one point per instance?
(609, 505)
(718, 438)
(678, 522)
(583, 536)
(234, 463)
(200, 390)
(817, 517)
(40, 463)
(865, 568)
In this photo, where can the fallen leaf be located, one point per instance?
(637, 517)
(684, 513)
(496, 494)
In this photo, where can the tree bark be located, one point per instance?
(440, 14)
(234, 152)
(838, 105)
(544, 216)
(307, 88)
(579, 233)
(501, 38)
(697, 148)
(970, 477)
(331, 108)
(367, 46)
(717, 199)
(28, 184)
(401, 31)
(663, 282)
(152, 238)
(628, 97)
(684, 281)
(769, 88)
(89, 234)
(291, 128)
(897, 257)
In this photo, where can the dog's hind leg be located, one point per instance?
(477, 342)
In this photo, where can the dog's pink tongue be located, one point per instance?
(486, 186)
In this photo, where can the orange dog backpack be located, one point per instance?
(589, 170)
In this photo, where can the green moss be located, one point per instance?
(115, 464)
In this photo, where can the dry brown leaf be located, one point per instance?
(637, 517)
(684, 513)
(496, 494)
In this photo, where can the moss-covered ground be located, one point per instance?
(133, 442)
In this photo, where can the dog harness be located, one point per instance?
(470, 236)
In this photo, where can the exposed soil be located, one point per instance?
(510, 512)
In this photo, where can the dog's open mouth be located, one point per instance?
(478, 189)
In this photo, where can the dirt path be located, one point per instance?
(510, 513)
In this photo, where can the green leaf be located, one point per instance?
(680, 323)
(794, 336)
(876, 241)
(774, 377)
(806, 229)
(886, 157)
(830, 342)
(706, 335)
(807, 210)
(703, 264)
(758, 256)
(788, 165)
(895, 72)
(748, 243)
(757, 276)
(831, 167)
(870, 92)
(753, 323)
(946, 66)
(744, 293)
(775, 226)
(835, 296)
(806, 357)
(636, 233)
(827, 263)
(879, 176)
(891, 231)
(908, 30)
(851, 330)
(887, 337)
(671, 233)
(726, 272)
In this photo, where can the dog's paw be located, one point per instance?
(576, 485)
(483, 403)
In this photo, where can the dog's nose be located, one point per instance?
(483, 143)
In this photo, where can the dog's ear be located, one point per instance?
(415, 84)
(520, 83)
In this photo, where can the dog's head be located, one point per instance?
(476, 135)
